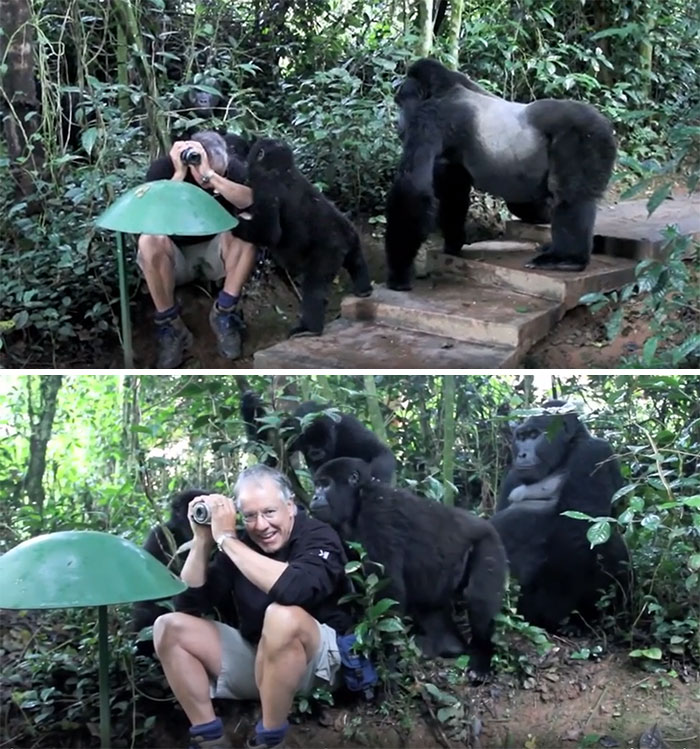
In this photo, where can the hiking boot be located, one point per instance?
(173, 339)
(199, 742)
(228, 327)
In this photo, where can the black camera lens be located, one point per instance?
(191, 156)
(201, 514)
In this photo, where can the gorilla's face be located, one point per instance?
(336, 490)
(541, 444)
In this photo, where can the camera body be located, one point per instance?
(201, 513)
(191, 156)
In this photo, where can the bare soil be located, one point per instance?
(608, 703)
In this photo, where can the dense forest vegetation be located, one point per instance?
(91, 90)
(107, 452)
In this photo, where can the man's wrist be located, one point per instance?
(208, 176)
(219, 540)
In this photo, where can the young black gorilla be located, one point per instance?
(550, 160)
(321, 438)
(305, 232)
(163, 542)
(559, 466)
(431, 553)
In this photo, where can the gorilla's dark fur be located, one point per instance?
(162, 542)
(322, 437)
(431, 554)
(550, 160)
(305, 232)
(559, 466)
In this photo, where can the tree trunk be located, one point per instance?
(448, 437)
(375, 415)
(425, 21)
(19, 106)
(456, 10)
(41, 416)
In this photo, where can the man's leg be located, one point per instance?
(238, 260)
(157, 258)
(289, 642)
(189, 649)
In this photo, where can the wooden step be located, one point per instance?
(488, 263)
(459, 309)
(361, 345)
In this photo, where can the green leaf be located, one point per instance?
(89, 138)
(351, 567)
(649, 349)
(439, 696)
(594, 296)
(381, 607)
(658, 197)
(598, 533)
(694, 562)
(693, 501)
(390, 625)
(651, 653)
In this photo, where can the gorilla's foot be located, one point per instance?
(301, 331)
(453, 251)
(399, 280)
(549, 259)
(363, 292)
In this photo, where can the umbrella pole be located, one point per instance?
(103, 641)
(124, 303)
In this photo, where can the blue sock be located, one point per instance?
(226, 300)
(167, 314)
(212, 730)
(270, 736)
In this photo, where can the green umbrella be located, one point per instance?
(160, 207)
(76, 569)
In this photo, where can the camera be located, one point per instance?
(191, 156)
(201, 514)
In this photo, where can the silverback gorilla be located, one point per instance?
(559, 466)
(431, 554)
(303, 230)
(550, 160)
(322, 437)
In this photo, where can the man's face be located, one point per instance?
(268, 518)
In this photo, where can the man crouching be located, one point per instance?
(285, 574)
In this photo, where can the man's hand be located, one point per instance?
(199, 170)
(223, 515)
(178, 147)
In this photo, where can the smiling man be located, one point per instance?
(283, 575)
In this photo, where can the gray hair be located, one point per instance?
(259, 472)
(216, 149)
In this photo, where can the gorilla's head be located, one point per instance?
(270, 156)
(337, 490)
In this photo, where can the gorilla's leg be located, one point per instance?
(355, 264)
(452, 186)
(532, 213)
(313, 306)
(409, 218)
(572, 238)
(440, 634)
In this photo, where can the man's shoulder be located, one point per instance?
(160, 168)
(313, 528)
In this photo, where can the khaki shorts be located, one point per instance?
(200, 260)
(237, 678)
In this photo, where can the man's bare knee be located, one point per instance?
(152, 247)
(284, 624)
(170, 629)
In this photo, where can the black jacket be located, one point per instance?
(163, 168)
(314, 580)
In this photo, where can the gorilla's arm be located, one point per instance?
(592, 477)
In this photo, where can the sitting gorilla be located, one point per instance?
(559, 466)
(550, 160)
(163, 543)
(304, 231)
(322, 437)
(431, 554)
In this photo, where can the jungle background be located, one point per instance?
(92, 90)
(107, 452)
